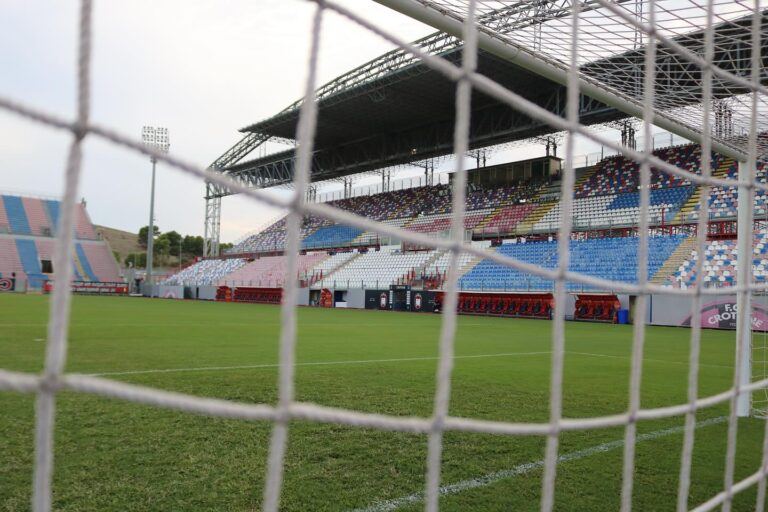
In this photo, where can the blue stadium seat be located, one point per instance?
(53, 212)
(30, 260)
(331, 236)
(607, 258)
(17, 217)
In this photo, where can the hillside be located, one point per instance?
(122, 242)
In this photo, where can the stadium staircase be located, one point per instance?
(423, 270)
(488, 218)
(467, 267)
(329, 274)
(82, 264)
(526, 226)
(79, 271)
(693, 201)
(510, 201)
(413, 276)
(678, 256)
(584, 174)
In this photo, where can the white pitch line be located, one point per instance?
(315, 363)
(647, 360)
(373, 361)
(492, 478)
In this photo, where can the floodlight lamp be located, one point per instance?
(155, 138)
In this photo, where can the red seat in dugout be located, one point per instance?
(597, 307)
(533, 305)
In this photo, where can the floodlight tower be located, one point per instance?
(157, 140)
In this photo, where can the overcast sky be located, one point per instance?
(202, 68)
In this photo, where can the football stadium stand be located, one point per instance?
(616, 175)
(270, 272)
(27, 228)
(618, 209)
(377, 269)
(720, 263)
(331, 236)
(507, 218)
(442, 222)
(607, 258)
(206, 272)
(724, 201)
(525, 217)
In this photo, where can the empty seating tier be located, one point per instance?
(607, 258)
(376, 269)
(618, 209)
(721, 263)
(17, 216)
(507, 219)
(331, 236)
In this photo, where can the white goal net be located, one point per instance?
(678, 60)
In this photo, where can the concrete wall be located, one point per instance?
(356, 298)
(169, 292)
(206, 292)
(302, 297)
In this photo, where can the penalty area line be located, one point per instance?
(311, 363)
(492, 478)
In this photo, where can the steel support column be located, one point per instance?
(212, 223)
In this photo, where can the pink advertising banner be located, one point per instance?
(723, 314)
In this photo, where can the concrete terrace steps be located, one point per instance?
(678, 256)
(492, 215)
(79, 268)
(422, 268)
(473, 262)
(488, 218)
(526, 225)
(438, 254)
(690, 205)
(347, 262)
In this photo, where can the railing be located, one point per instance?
(442, 178)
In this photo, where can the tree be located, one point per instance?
(143, 235)
(224, 247)
(192, 245)
(162, 246)
(138, 259)
(174, 239)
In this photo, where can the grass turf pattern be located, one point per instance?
(113, 455)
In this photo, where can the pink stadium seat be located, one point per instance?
(102, 262)
(509, 217)
(9, 259)
(83, 226)
(37, 217)
(5, 226)
(45, 248)
(270, 271)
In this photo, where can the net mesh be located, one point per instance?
(572, 45)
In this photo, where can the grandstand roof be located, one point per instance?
(394, 109)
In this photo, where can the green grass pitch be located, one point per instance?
(114, 455)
